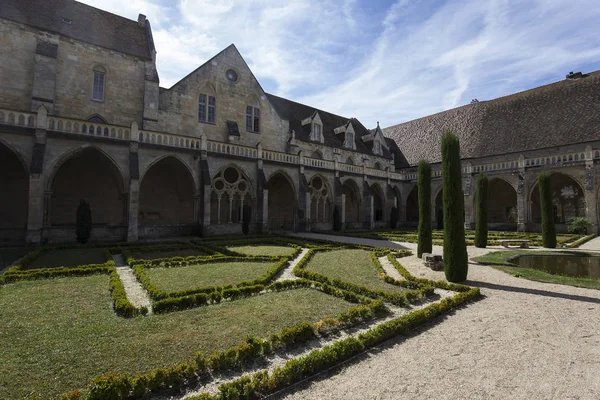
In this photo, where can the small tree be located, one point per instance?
(394, 218)
(579, 225)
(455, 249)
(83, 227)
(481, 226)
(337, 219)
(424, 190)
(246, 219)
(547, 210)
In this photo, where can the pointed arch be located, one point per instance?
(568, 198)
(180, 160)
(14, 185)
(282, 201)
(378, 202)
(352, 201)
(231, 194)
(412, 205)
(502, 201)
(86, 173)
(320, 199)
(167, 191)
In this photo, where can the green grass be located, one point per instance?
(438, 236)
(353, 266)
(263, 250)
(57, 334)
(501, 261)
(210, 274)
(9, 255)
(152, 255)
(68, 258)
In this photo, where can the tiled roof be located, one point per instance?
(81, 22)
(296, 112)
(558, 114)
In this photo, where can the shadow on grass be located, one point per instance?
(328, 373)
(352, 240)
(495, 286)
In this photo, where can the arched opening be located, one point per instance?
(14, 186)
(439, 210)
(320, 200)
(568, 199)
(282, 203)
(412, 205)
(91, 176)
(167, 194)
(377, 166)
(502, 202)
(230, 197)
(377, 203)
(317, 154)
(352, 201)
(350, 161)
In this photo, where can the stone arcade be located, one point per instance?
(82, 116)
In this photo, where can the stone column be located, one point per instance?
(372, 211)
(522, 206)
(590, 191)
(265, 210)
(134, 187)
(36, 210)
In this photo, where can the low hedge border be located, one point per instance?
(157, 294)
(174, 378)
(580, 241)
(398, 299)
(127, 252)
(33, 255)
(437, 284)
(121, 304)
(262, 383)
(222, 247)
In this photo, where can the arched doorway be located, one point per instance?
(14, 186)
(502, 202)
(378, 203)
(282, 203)
(412, 205)
(92, 176)
(351, 202)
(230, 197)
(568, 198)
(167, 194)
(320, 200)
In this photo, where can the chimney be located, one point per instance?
(574, 75)
(141, 20)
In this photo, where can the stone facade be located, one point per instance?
(156, 162)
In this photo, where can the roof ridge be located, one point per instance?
(306, 105)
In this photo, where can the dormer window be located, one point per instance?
(317, 132)
(349, 140)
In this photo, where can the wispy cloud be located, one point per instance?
(374, 60)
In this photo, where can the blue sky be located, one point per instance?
(387, 61)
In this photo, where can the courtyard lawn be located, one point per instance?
(68, 258)
(263, 250)
(353, 266)
(209, 274)
(410, 236)
(152, 255)
(57, 334)
(501, 261)
(9, 255)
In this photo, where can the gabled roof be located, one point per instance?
(296, 112)
(81, 22)
(558, 114)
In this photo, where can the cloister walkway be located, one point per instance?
(522, 340)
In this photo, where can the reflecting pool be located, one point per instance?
(561, 264)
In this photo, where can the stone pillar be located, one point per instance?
(265, 210)
(303, 201)
(468, 195)
(372, 211)
(367, 209)
(204, 205)
(38, 208)
(590, 191)
(522, 206)
(134, 187)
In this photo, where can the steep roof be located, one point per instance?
(296, 112)
(558, 114)
(87, 24)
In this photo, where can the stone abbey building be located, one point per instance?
(82, 116)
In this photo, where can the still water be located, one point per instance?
(560, 264)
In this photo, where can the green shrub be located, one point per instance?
(424, 190)
(547, 211)
(481, 226)
(579, 225)
(84, 222)
(455, 249)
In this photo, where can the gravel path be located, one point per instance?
(592, 245)
(133, 289)
(288, 274)
(389, 269)
(523, 340)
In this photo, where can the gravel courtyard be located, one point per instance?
(523, 340)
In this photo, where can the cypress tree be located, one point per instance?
(547, 210)
(424, 190)
(481, 227)
(455, 249)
